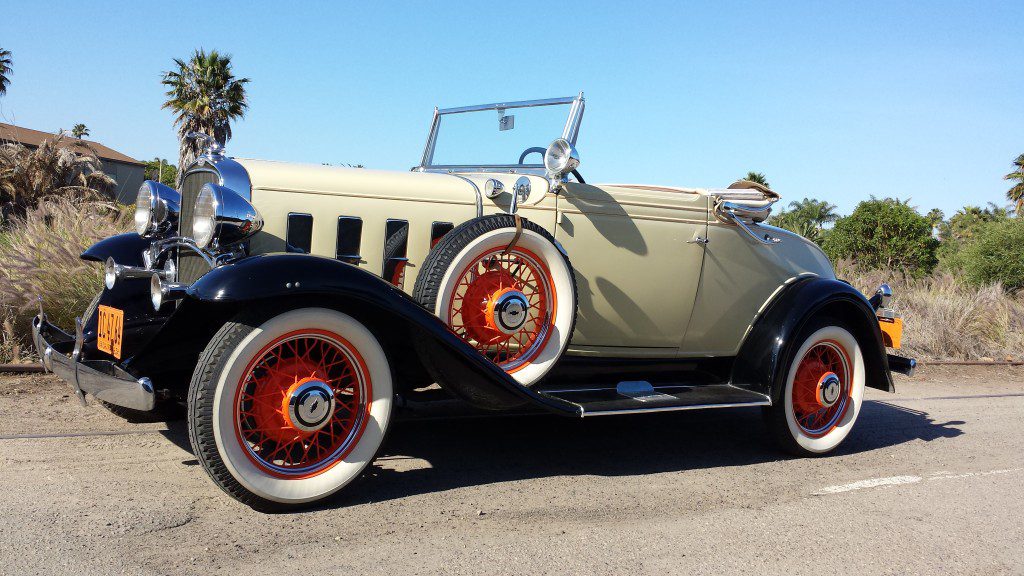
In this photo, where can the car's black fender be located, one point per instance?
(770, 343)
(284, 281)
(126, 249)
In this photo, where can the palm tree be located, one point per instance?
(757, 177)
(807, 218)
(1016, 194)
(205, 97)
(55, 168)
(5, 70)
(80, 130)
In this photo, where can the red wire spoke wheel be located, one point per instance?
(286, 409)
(821, 390)
(819, 400)
(508, 292)
(301, 403)
(505, 306)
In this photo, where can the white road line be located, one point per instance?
(872, 483)
(897, 480)
(947, 476)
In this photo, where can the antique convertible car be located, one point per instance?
(294, 308)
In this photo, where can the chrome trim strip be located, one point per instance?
(479, 196)
(507, 105)
(675, 408)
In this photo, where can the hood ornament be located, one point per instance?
(212, 148)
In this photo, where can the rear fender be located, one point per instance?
(770, 344)
(286, 281)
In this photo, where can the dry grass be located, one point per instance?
(39, 257)
(945, 318)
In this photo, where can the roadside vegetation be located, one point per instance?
(958, 282)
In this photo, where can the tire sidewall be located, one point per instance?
(830, 440)
(227, 380)
(562, 283)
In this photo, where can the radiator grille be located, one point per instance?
(190, 265)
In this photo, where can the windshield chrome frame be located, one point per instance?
(570, 131)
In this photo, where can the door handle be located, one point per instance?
(698, 239)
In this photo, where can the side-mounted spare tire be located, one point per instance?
(508, 292)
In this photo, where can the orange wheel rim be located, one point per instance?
(822, 388)
(302, 403)
(487, 281)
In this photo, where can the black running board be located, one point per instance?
(635, 397)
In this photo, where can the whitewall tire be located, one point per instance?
(823, 390)
(289, 410)
(517, 305)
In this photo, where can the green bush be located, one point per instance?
(885, 234)
(992, 254)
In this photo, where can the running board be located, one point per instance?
(634, 397)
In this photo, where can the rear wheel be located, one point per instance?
(816, 408)
(287, 411)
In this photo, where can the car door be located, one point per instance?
(637, 255)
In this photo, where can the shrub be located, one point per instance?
(992, 255)
(884, 234)
(58, 168)
(963, 227)
(945, 317)
(39, 257)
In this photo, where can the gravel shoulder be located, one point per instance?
(930, 481)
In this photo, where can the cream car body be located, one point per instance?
(294, 308)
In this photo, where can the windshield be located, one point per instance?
(498, 135)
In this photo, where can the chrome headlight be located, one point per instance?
(204, 217)
(561, 158)
(222, 214)
(156, 208)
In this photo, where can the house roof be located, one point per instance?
(33, 138)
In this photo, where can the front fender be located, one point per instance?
(770, 344)
(283, 281)
(126, 249)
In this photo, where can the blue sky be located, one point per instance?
(837, 101)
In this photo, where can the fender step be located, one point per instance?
(634, 397)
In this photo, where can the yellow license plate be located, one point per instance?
(109, 330)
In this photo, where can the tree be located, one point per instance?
(80, 130)
(962, 227)
(205, 97)
(168, 172)
(807, 218)
(1016, 193)
(5, 70)
(757, 177)
(55, 168)
(884, 234)
(936, 217)
(992, 254)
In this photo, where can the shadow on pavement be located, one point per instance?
(474, 451)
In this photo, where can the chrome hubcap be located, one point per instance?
(510, 311)
(829, 388)
(311, 405)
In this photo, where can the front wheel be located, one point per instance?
(288, 410)
(816, 408)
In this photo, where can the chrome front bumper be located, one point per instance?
(60, 353)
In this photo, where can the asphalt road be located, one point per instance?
(929, 482)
